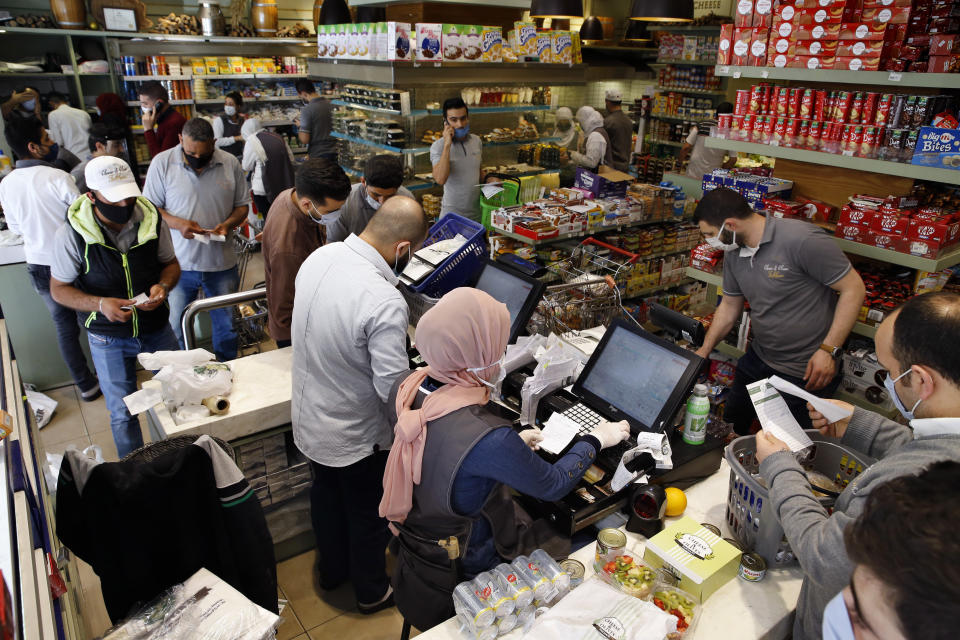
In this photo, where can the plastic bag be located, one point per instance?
(203, 607)
(160, 359)
(51, 471)
(189, 380)
(42, 406)
(558, 364)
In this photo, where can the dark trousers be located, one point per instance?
(68, 328)
(750, 368)
(351, 536)
(283, 343)
(263, 205)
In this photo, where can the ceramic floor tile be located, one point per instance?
(383, 625)
(96, 417)
(313, 608)
(105, 440)
(302, 636)
(290, 628)
(67, 421)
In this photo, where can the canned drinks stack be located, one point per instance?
(525, 617)
(506, 624)
(513, 585)
(468, 628)
(488, 588)
(477, 611)
(531, 575)
(695, 422)
(550, 568)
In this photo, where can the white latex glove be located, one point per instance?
(611, 433)
(531, 438)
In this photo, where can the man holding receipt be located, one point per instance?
(114, 264)
(202, 194)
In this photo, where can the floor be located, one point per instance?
(309, 615)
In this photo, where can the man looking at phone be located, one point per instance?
(202, 194)
(456, 159)
(155, 105)
(113, 248)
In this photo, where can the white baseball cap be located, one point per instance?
(614, 95)
(112, 177)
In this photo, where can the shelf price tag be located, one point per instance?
(895, 76)
(437, 64)
(764, 74)
(848, 153)
(737, 74)
(723, 70)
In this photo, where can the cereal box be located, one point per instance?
(342, 37)
(450, 42)
(470, 42)
(544, 47)
(198, 66)
(491, 44)
(428, 41)
(577, 50)
(562, 43)
(526, 38)
(364, 40)
(397, 44)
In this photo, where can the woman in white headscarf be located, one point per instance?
(564, 129)
(595, 148)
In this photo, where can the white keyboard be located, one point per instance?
(583, 415)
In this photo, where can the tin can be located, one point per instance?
(756, 99)
(793, 105)
(779, 131)
(806, 104)
(742, 104)
(712, 528)
(847, 136)
(752, 567)
(841, 110)
(882, 116)
(782, 101)
(736, 545)
(869, 113)
(793, 131)
(803, 136)
(820, 105)
(511, 583)
(610, 544)
(488, 588)
(477, 611)
(856, 107)
(868, 147)
(896, 111)
(724, 120)
(575, 570)
(746, 126)
(736, 127)
(856, 139)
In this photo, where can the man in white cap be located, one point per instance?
(113, 262)
(619, 128)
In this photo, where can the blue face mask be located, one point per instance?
(888, 383)
(836, 620)
(460, 134)
(52, 154)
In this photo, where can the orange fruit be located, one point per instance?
(676, 501)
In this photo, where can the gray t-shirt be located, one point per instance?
(316, 118)
(787, 283)
(208, 198)
(67, 253)
(355, 214)
(78, 174)
(461, 193)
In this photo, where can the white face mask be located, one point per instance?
(717, 243)
(501, 375)
(230, 110)
(326, 219)
(372, 202)
(836, 620)
(145, 110)
(888, 383)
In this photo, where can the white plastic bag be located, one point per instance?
(159, 359)
(42, 406)
(187, 377)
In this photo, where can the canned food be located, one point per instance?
(712, 528)
(796, 100)
(752, 567)
(743, 102)
(736, 545)
(610, 544)
(574, 569)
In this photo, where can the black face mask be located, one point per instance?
(198, 162)
(116, 213)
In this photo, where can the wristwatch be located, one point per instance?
(165, 286)
(833, 351)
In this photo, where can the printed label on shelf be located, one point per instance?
(737, 74)
(895, 76)
(764, 74)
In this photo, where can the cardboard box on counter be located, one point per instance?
(704, 562)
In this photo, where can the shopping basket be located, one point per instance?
(506, 198)
(461, 267)
(418, 303)
(755, 525)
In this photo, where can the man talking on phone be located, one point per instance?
(456, 159)
(157, 112)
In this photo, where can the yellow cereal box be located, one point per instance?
(491, 44)
(562, 47)
(544, 47)
(526, 38)
(577, 51)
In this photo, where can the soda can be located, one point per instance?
(551, 569)
(506, 624)
(869, 112)
(803, 135)
(806, 104)
(742, 104)
(782, 101)
(511, 584)
(856, 107)
(471, 631)
(488, 588)
(883, 110)
(756, 99)
(531, 575)
(477, 611)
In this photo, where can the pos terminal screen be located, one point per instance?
(509, 289)
(635, 375)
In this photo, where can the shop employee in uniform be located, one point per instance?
(226, 126)
(594, 148)
(382, 175)
(115, 246)
(452, 459)
(201, 193)
(68, 125)
(804, 298)
(917, 345)
(456, 159)
(349, 347)
(316, 122)
(619, 128)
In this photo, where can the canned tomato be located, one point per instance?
(743, 102)
(574, 569)
(869, 113)
(783, 101)
(752, 567)
(610, 544)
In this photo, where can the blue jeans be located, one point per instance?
(68, 328)
(213, 283)
(116, 359)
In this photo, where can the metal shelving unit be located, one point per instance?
(879, 78)
(668, 143)
(160, 37)
(402, 74)
(569, 236)
(699, 92)
(245, 100)
(688, 63)
(715, 279)
(377, 145)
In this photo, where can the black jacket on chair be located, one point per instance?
(145, 526)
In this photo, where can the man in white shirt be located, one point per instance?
(349, 335)
(704, 159)
(68, 126)
(270, 165)
(35, 197)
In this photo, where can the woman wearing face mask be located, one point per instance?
(226, 126)
(454, 459)
(564, 129)
(595, 148)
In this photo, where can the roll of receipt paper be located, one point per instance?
(217, 404)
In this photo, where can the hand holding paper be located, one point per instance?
(557, 433)
(829, 410)
(775, 416)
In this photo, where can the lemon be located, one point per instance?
(676, 501)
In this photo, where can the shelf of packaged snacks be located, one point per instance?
(948, 259)
(668, 143)
(149, 78)
(643, 293)
(377, 145)
(699, 92)
(715, 279)
(246, 99)
(840, 76)
(917, 172)
(728, 349)
(673, 118)
(133, 35)
(427, 74)
(279, 76)
(569, 236)
(688, 63)
(862, 329)
(513, 108)
(39, 74)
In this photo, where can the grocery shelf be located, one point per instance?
(569, 236)
(699, 92)
(674, 118)
(688, 63)
(839, 76)
(278, 76)
(28, 74)
(865, 329)
(646, 291)
(131, 35)
(948, 259)
(246, 99)
(411, 74)
(917, 172)
(715, 279)
(414, 185)
(669, 143)
(149, 78)
(613, 47)
(276, 123)
(390, 112)
(377, 145)
(514, 108)
(684, 28)
(728, 349)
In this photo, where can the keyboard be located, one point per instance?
(587, 418)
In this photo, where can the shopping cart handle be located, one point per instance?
(610, 282)
(591, 240)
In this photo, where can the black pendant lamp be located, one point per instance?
(335, 12)
(662, 10)
(556, 9)
(591, 29)
(636, 32)
(371, 14)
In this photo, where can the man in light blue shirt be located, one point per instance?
(203, 196)
(349, 347)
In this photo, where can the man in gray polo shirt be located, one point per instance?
(382, 175)
(804, 299)
(203, 196)
(316, 122)
(456, 159)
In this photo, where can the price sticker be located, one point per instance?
(764, 74)
(723, 70)
(848, 153)
(895, 76)
(436, 64)
(737, 74)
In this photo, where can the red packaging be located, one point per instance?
(822, 48)
(852, 232)
(856, 217)
(892, 223)
(815, 135)
(756, 99)
(724, 121)
(856, 107)
(894, 33)
(888, 241)
(736, 126)
(883, 109)
(782, 100)
(869, 107)
(888, 3)
(922, 248)
(763, 14)
(793, 110)
(742, 104)
(887, 15)
(857, 64)
(846, 141)
(829, 31)
(758, 47)
(743, 14)
(944, 44)
(783, 28)
(860, 48)
(841, 108)
(785, 12)
(816, 211)
(945, 233)
(868, 148)
(944, 64)
(779, 131)
(769, 125)
(725, 46)
(782, 46)
(779, 60)
(741, 46)
(861, 31)
(765, 106)
(812, 62)
(806, 104)
(792, 135)
(820, 105)
(818, 15)
(944, 25)
(802, 138)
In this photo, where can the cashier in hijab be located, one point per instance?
(564, 129)
(594, 148)
(454, 459)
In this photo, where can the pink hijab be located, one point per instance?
(466, 329)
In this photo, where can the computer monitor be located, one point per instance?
(676, 324)
(636, 376)
(518, 291)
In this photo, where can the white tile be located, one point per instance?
(67, 422)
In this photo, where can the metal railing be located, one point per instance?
(215, 302)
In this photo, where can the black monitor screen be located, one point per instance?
(512, 290)
(635, 375)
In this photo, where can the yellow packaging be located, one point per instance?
(526, 38)
(236, 64)
(248, 65)
(577, 51)
(491, 44)
(259, 65)
(269, 65)
(212, 64)
(544, 47)
(562, 47)
(224, 66)
(6, 424)
(702, 561)
(198, 66)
